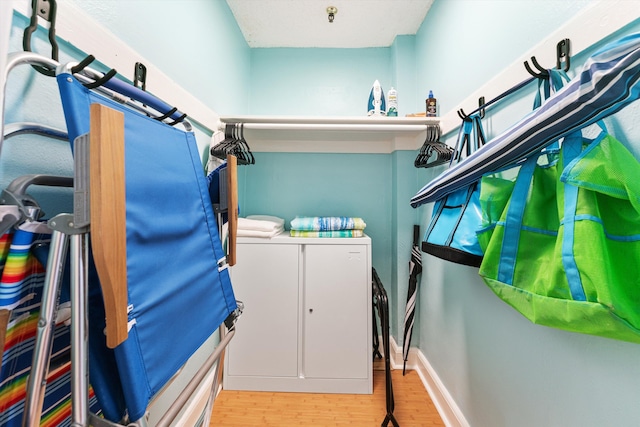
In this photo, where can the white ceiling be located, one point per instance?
(304, 23)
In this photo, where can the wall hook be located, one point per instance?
(45, 9)
(563, 54)
(140, 76)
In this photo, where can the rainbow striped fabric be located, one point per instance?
(21, 281)
(20, 270)
(57, 403)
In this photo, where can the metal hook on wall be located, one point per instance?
(46, 9)
(563, 54)
(481, 107)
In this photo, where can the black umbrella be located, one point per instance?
(415, 268)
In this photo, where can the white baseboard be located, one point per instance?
(447, 408)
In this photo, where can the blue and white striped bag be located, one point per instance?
(608, 82)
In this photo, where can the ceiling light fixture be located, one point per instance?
(331, 11)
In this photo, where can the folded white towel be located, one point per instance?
(274, 219)
(257, 233)
(257, 225)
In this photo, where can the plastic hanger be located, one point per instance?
(234, 144)
(433, 152)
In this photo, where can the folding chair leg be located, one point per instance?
(79, 330)
(376, 339)
(390, 418)
(44, 339)
(217, 376)
(64, 232)
(184, 396)
(382, 305)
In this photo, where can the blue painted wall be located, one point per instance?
(290, 184)
(463, 44)
(319, 82)
(196, 42)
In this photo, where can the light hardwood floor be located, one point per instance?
(413, 407)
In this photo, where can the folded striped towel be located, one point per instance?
(327, 223)
(330, 233)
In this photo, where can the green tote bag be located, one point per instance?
(496, 188)
(566, 250)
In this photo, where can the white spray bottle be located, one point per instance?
(392, 103)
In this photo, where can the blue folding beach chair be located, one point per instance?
(178, 286)
(176, 282)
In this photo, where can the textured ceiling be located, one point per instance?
(304, 23)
